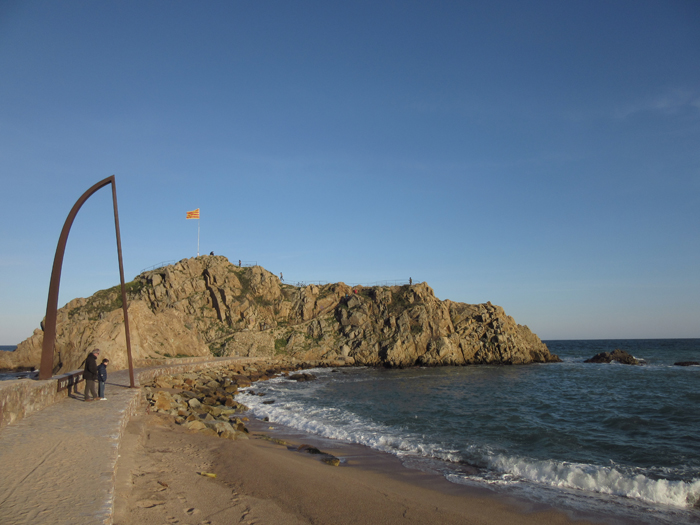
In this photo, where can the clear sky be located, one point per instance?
(541, 155)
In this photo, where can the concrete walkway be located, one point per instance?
(57, 465)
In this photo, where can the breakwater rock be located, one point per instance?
(206, 305)
(204, 401)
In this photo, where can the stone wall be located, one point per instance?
(21, 397)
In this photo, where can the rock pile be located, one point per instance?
(618, 355)
(204, 401)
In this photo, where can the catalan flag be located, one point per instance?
(193, 214)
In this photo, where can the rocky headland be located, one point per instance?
(207, 306)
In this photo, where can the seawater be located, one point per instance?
(11, 375)
(615, 440)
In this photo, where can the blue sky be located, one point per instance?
(544, 156)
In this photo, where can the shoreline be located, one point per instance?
(260, 481)
(390, 466)
(261, 470)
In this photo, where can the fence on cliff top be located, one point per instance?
(396, 282)
(298, 284)
(242, 264)
(157, 266)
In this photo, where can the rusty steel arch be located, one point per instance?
(49, 343)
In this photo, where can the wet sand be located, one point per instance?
(262, 482)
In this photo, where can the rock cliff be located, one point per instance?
(206, 305)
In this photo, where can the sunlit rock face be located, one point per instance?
(206, 305)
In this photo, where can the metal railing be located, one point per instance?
(299, 284)
(156, 266)
(245, 264)
(70, 380)
(302, 284)
(395, 282)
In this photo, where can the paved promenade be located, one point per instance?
(57, 465)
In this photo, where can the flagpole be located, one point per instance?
(194, 214)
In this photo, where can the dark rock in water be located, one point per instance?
(328, 459)
(687, 363)
(268, 402)
(469, 469)
(302, 377)
(332, 461)
(616, 355)
(308, 449)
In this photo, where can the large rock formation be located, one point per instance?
(207, 305)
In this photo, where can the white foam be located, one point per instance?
(335, 423)
(604, 480)
(343, 425)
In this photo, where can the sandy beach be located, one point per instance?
(267, 482)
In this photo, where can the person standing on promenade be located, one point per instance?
(90, 374)
(102, 379)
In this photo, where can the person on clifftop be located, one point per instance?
(102, 379)
(90, 374)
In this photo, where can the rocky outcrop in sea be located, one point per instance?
(617, 355)
(208, 306)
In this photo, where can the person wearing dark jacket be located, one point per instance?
(102, 379)
(90, 374)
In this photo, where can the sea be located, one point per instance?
(616, 443)
(12, 375)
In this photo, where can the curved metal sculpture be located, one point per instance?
(49, 343)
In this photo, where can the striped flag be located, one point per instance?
(193, 214)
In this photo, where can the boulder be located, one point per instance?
(302, 377)
(616, 355)
(220, 426)
(308, 449)
(195, 425)
(687, 363)
(332, 461)
(162, 401)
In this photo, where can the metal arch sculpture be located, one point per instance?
(49, 343)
